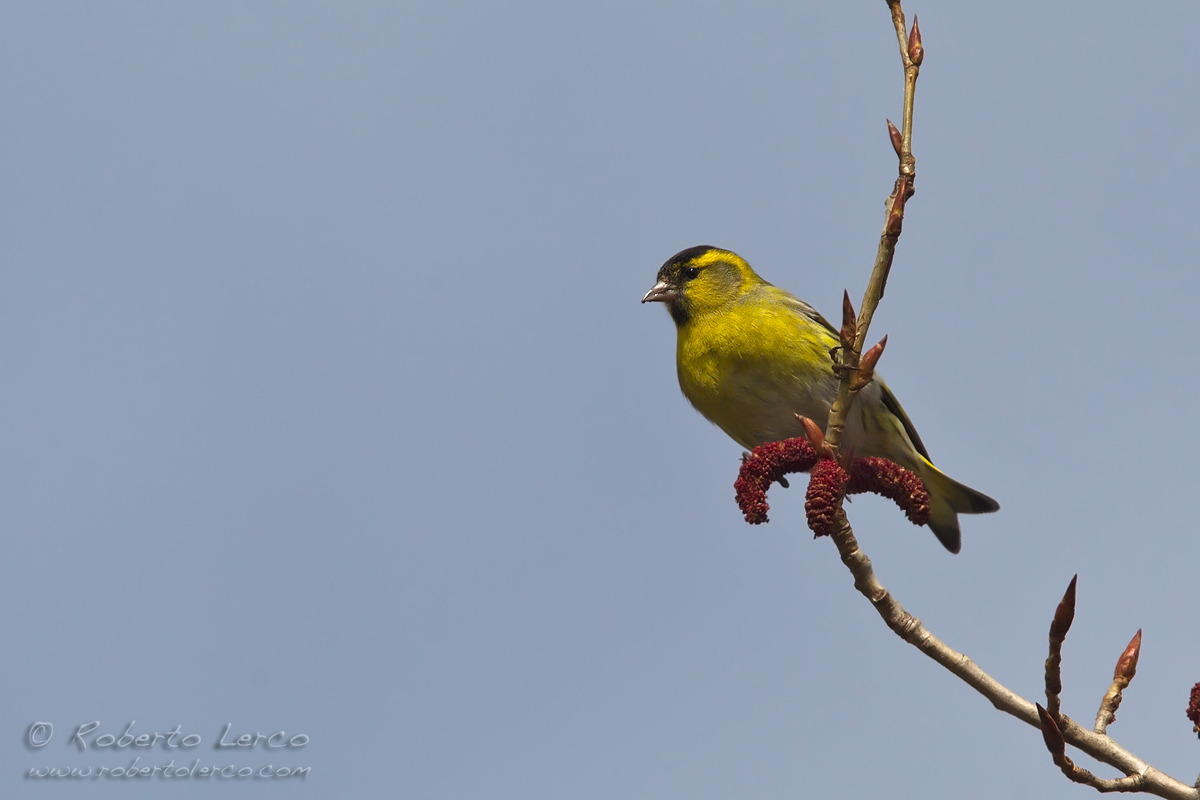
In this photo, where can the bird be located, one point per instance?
(751, 356)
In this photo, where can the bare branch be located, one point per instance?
(1057, 747)
(903, 189)
(1140, 776)
(1058, 730)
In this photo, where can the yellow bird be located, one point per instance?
(751, 356)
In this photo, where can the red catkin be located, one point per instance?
(772, 461)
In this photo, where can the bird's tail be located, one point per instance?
(947, 499)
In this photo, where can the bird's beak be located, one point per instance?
(661, 292)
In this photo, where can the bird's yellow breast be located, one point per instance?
(752, 365)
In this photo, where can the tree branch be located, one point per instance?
(912, 52)
(1057, 729)
(909, 628)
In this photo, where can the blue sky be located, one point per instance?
(331, 407)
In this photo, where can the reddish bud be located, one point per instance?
(849, 322)
(1127, 663)
(826, 487)
(1051, 735)
(897, 140)
(866, 364)
(1064, 615)
(916, 50)
(766, 465)
(816, 437)
(895, 220)
(1122, 675)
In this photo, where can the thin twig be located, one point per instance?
(1057, 746)
(909, 628)
(1057, 729)
(839, 412)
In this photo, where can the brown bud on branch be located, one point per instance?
(1056, 744)
(897, 139)
(916, 50)
(866, 365)
(895, 219)
(816, 437)
(1051, 735)
(1122, 675)
(1127, 664)
(1064, 615)
(849, 331)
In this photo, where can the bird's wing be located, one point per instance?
(801, 307)
(893, 405)
(889, 400)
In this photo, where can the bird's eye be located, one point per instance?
(690, 272)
